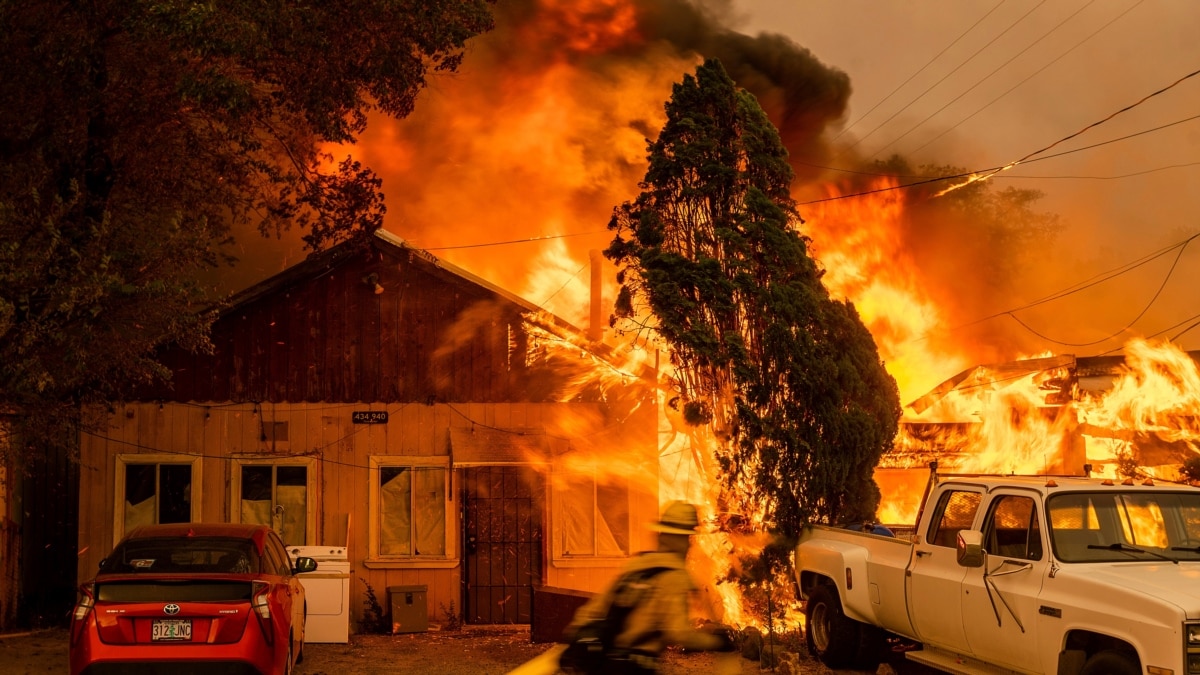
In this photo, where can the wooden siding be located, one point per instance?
(220, 432)
(429, 335)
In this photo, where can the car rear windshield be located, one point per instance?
(175, 591)
(189, 555)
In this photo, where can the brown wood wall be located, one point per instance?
(430, 335)
(341, 451)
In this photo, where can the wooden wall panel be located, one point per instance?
(277, 350)
(389, 344)
(333, 377)
(367, 364)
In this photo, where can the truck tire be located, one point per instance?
(1110, 662)
(832, 638)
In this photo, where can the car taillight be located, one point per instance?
(87, 600)
(260, 602)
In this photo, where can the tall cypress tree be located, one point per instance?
(710, 258)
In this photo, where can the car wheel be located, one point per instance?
(1111, 662)
(831, 637)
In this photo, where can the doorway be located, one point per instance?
(503, 509)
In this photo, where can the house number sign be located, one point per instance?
(369, 417)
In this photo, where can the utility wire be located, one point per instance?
(1031, 76)
(984, 79)
(935, 84)
(571, 278)
(988, 173)
(921, 70)
(1088, 283)
(516, 241)
(1012, 175)
(1097, 123)
(1127, 326)
(1093, 281)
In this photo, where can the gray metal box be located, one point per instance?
(409, 613)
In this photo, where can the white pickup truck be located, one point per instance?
(1015, 574)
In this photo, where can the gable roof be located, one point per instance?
(377, 319)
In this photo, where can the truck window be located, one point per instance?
(1012, 529)
(955, 512)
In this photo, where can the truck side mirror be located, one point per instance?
(969, 548)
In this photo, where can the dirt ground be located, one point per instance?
(472, 651)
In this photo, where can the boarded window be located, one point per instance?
(157, 493)
(412, 511)
(276, 495)
(595, 518)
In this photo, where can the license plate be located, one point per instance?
(171, 629)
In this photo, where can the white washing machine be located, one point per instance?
(327, 592)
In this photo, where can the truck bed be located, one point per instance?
(874, 587)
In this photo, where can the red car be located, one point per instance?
(189, 598)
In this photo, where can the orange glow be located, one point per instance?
(858, 243)
(537, 146)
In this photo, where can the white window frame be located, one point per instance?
(559, 515)
(375, 463)
(310, 516)
(124, 459)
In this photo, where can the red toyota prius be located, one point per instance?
(192, 597)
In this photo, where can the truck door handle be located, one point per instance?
(921, 554)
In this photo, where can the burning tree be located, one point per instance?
(136, 137)
(710, 259)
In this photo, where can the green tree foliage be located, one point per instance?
(135, 136)
(788, 377)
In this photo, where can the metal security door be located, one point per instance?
(502, 543)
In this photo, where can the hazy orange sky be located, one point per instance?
(983, 83)
(542, 132)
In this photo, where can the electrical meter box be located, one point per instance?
(409, 613)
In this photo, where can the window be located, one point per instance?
(408, 507)
(278, 494)
(593, 517)
(154, 489)
(1012, 529)
(955, 512)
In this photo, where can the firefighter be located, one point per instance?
(650, 600)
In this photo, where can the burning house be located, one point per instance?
(1117, 415)
(444, 432)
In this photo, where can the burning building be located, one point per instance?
(442, 431)
(1120, 416)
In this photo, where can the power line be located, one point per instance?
(1031, 76)
(1020, 175)
(516, 241)
(985, 78)
(1097, 123)
(1095, 281)
(571, 278)
(1090, 282)
(996, 169)
(921, 70)
(1127, 326)
(935, 84)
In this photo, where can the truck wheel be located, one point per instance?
(1110, 662)
(831, 637)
